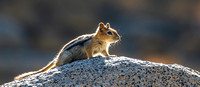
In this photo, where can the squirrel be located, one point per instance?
(82, 47)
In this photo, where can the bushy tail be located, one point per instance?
(47, 67)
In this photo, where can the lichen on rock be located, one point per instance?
(113, 71)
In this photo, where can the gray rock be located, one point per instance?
(114, 71)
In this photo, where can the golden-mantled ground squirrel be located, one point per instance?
(82, 47)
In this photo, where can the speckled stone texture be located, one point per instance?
(113, 71)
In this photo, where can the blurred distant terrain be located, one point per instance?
(33, 31)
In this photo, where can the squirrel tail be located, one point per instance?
(47, 67)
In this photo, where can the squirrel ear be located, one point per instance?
(101, 25)
(108, 25)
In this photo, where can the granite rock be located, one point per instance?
(113, 71)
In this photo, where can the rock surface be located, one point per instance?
(113, 71)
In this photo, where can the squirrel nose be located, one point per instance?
(118, 38)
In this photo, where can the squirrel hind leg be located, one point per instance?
(63, 58)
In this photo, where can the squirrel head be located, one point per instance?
(106, 33)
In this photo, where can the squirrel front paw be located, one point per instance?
(112, 55)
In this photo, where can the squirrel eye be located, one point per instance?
(109, 33)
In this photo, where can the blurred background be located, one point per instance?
(33, 31)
